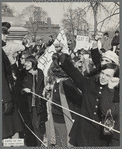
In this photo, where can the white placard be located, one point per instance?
(82, 42)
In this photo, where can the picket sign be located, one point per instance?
(82, 42)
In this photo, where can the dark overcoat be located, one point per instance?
(73, 98)
(85, 132)
(24, 101)
(10, 123)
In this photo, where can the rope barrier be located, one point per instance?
(99, 123)
(31, 130)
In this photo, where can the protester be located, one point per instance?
(25, 42)
(64, 93)
(72, 45)
(106, 42)
(11, 121)
(32, 108)
(107, 57)
(79, 64)
(115, 41)
(90, 134)
(42, 46)
(50, 42)
(69, 41)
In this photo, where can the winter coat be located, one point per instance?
(11, 123)
(85, 132)
(24, 101)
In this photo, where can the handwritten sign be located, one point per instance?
(82, 42)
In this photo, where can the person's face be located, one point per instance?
(4, 37)
(105, 60)
(28, 65)
(38, 47)
(40, 42)
(105, 76)
(105, 36)
(116, 34)
(97, 37)
(33, 38)
(22, 59)
(58, 48)
(50, 38)
(79, 65)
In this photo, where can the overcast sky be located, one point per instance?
(56, 10)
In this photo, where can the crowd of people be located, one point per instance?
(82, 87)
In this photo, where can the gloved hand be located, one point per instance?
(8, 108)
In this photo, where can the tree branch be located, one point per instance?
(108, 17)
(117, 3)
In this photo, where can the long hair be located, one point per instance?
(33, 60)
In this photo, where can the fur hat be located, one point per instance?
(112, 56)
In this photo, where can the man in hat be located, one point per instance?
(11, 121)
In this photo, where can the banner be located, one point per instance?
(45, 60)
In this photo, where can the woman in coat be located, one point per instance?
(32, 108)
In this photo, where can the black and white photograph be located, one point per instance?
(60, 74)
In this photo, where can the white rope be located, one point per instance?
(99, 123)
(31, 130)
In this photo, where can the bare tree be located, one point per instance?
(74, 21)
(96, 7)
(113, 12)
(6, 11)
(28, 13)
